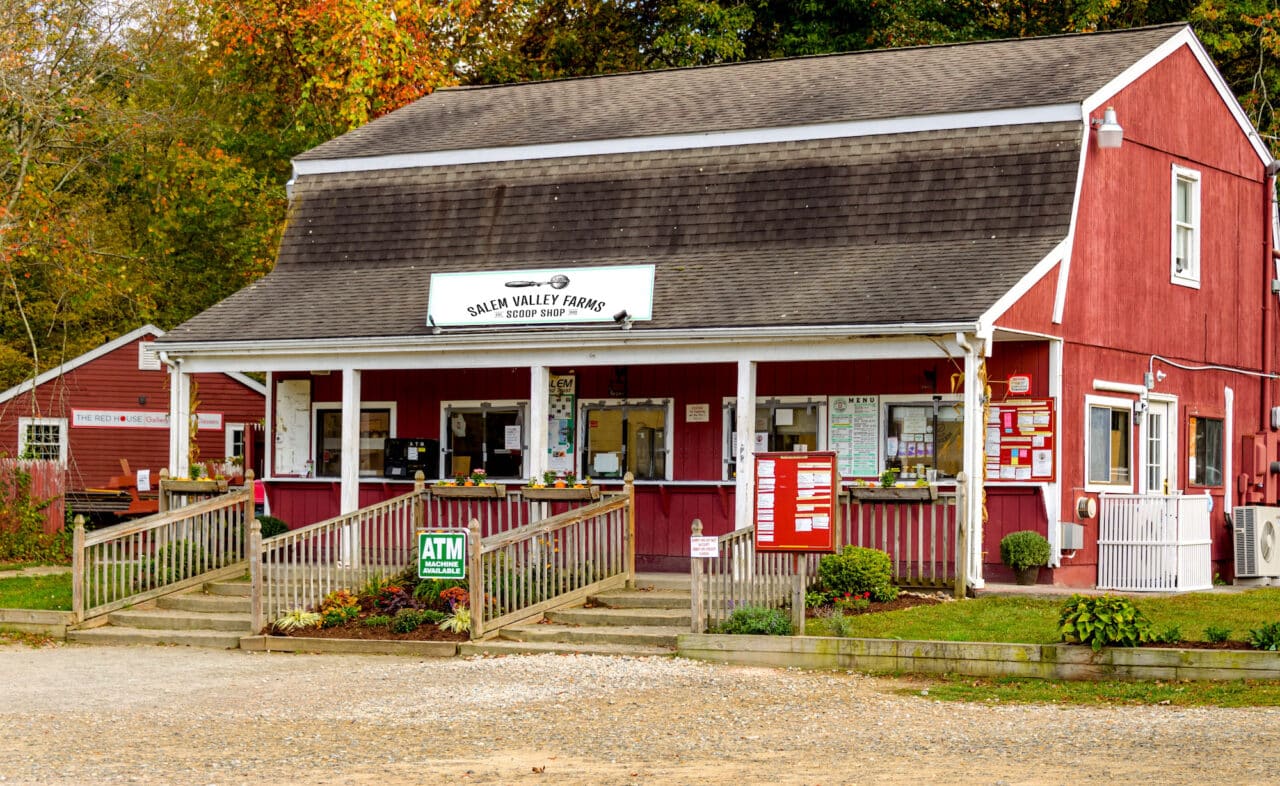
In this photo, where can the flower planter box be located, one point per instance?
(195, 486)
(496, 491)
(895, 494)
(567, 494)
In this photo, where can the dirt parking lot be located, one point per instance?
(173, 715)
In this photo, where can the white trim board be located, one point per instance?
(1052, 113)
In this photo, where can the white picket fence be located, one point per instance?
(1155, 543)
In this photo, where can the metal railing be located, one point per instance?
(919, 537)
(167, 552)
(1153, 542)
(519, 573)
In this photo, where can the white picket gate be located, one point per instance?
(1154, 542)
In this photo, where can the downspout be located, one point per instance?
(1270, 284)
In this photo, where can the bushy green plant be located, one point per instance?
(428, 591)
(813, 600)
(406, 620)
(1104, 621)
(298, 619)
(272, 526)
(1216, 634)
(1265, 638)
(376, 621)
(22, 535)
(849, 602)
(432, 616)
(338, 608)
(856, 570)
(459, 621)
(839, 625)
(1169, 635)
(1024, 549)
(755, 620)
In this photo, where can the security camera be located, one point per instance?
(621, 316)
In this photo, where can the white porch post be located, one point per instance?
(179, 421)
(349, 494)
(539, 411)
(1053, 491)
(745, 427)
(974, 433)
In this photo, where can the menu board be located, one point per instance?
(853, 428)
(1021, 441)
(795, 501)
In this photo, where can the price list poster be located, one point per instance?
(795, 501)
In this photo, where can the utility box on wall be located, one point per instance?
(1072, 536)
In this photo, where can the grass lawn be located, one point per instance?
(50, 593)
(1035, 620)
(1015, 690)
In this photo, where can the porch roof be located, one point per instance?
(915, 228)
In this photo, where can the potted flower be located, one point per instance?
(1026, 552)
(478, 477)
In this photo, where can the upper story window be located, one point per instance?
(626, 436)
(1185, 239)
(43, 438)
(1108, 451)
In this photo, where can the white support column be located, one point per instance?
(269, 430)
(539, 412)
(349, 498)
(745, 449)
(974, 432)
(179, 421)
(1228, 420)
(1053, 491)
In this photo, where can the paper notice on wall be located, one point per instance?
(511, 438)
(762, 442)
(821, 521)
(804, 524)
(783, 417)
(144, 480)
(764, 469)
(1041, 463)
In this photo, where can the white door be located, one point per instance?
(1158, 448)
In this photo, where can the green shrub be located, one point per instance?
(1024, 549)
(432, 616)
(1216, 634)
(376, 621)
(406, 620)
(428, 591)
(1106, 621)
(813, 600)
(754, 620)
(272, 526)
(856, 570)
(1265, 638)
(1170, 635)
(459, 621)
(840, 625)
(297, 619)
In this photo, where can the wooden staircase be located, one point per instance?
(641, 622)
(214, 616)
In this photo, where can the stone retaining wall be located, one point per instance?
(45, 623)
(1045, 661)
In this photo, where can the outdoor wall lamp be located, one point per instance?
(1110, 134)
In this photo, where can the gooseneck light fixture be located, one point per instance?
(1110, 134)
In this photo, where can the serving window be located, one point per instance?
(924, 435)
(783, 424)
(484, 435)
(377, 423)
(626, 436)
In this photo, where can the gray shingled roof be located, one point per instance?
(926, 227)
(801, 91)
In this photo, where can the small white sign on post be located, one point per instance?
(704, 546)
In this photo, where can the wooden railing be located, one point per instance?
(517, 574)
(296, 569)
(740, 576)
(143, 559)
(919, 537)
(1154, 542)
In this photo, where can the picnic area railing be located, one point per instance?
(143, 559)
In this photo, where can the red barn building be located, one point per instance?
(112, 403)
(1044, 266)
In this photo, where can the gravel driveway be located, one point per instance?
(173, 715)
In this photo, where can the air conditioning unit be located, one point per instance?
(1257, 531)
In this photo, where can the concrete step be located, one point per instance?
(669, 581)
(170, 619)
(642, 599)
(643, 635)
(119, 636)
(235, 589)
(506, 647)
(626, 617)
(205, 604)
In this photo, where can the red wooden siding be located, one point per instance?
(47, 483)
(114, 382)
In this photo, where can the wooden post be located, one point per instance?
(962, 537)
(255, 575)
(164, 492)
(475, 578)
(697, 613)
(419, 502)
(797, 596)
(250, 507)
(77, 569)
(630, 544)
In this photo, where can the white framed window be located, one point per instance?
(783, 423)
(43, 438)
(234, 440)
(1108, 448)
(377, 424)
(1204, 453)
(1185, 227)
(625, 435)
(1158, 445)
(923, 432)
(488, 435)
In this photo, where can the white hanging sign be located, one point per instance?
(620, 295)
(137, 418)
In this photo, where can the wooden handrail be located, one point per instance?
(156, 520)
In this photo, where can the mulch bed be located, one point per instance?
(354, 630)
(903, 601)
(1198, 645)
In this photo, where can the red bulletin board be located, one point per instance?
(1021, 441)
(795, 501)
